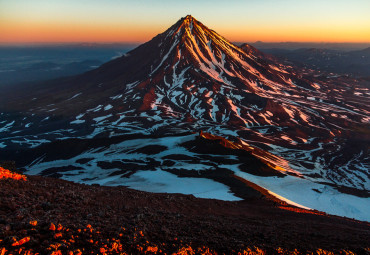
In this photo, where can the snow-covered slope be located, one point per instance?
(190, 78)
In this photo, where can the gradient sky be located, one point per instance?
(32, 21)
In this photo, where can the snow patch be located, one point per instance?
(108, 107)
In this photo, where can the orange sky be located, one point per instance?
(30, 21)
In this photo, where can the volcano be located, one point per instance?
(134, 121)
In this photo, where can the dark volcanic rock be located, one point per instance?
(168, 221)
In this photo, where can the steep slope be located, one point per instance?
(189, 78)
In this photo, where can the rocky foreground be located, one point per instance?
(40, 215)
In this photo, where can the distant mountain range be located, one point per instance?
(355, 63)
(35, 63)
(191, 112)
(308, 45)
(45, 71)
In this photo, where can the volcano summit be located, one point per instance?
(301, 135)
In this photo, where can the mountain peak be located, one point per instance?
(188, 26)
(188, 17)
(187, 21)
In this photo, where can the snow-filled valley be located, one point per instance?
(177, 165)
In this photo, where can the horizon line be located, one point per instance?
(141, 42)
